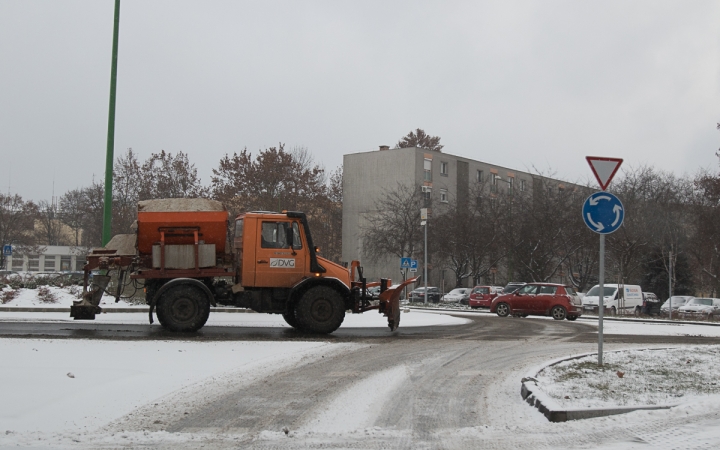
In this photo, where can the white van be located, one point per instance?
(624, 298)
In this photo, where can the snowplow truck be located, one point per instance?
(180, 251)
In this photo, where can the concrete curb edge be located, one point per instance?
(555, 413)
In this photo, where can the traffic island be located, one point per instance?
(577, 387)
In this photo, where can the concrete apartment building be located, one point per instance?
(446, 177)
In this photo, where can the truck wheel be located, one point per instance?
(291, 319)
(320, 310)
(183, 308)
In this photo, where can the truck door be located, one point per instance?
(278, 264)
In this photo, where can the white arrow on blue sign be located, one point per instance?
(603, 212)
(405, 263)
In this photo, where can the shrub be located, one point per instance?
(7, 295)
(46, 295)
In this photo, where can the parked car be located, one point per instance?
(616, 298)
(651, 304)
(513, 286)
(482, 296)
(541, 299)
(374, 292)
(418, 295)
(700, 308)
(677, 302)
(457, 295)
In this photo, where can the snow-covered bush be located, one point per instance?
(75, 291)
(7, 295)
(45, 295)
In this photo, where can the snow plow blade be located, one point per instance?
(86, 308)
(390, 302)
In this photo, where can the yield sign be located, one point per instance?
(604, 169)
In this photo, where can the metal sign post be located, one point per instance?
(603, 213)
(424, 218)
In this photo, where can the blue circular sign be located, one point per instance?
(603, 212)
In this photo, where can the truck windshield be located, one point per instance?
(595, 291)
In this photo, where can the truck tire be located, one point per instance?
(291, 319)
(320, 310)
(183, 308)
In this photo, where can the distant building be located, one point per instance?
(49, 258)
(443, 177)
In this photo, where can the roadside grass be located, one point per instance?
(634, 377)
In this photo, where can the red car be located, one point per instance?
(539, 299)
(482, 296)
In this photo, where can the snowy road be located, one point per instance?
(441, 385)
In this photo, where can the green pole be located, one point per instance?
(109, 159)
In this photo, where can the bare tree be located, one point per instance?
(49, 227)
(93, 200)
(166, 176)
(419, 138)
(394, 227)
(16, 221)
(72, 212)
(128, 182)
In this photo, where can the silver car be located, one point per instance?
(677, 302)
(700, 308)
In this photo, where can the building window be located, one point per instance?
(33, 263)
(49, 264)
(522, 185)
(443, 195)
(444, 169)
(479, 176)
(426, 199)
(65, 263)
(511, 184)
(80, 262)
(17, 262)
(427, 166)
(494, 185)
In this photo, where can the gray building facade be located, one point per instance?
(446, 179)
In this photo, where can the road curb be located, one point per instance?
(581, 318)
(555, 413)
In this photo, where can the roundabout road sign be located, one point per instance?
(603, 212)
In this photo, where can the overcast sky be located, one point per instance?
(519, 84)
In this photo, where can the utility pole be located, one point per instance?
(670, 268)
(109, 157)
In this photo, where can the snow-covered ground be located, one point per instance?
(60, 393)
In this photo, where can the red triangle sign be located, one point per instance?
(604, 169)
